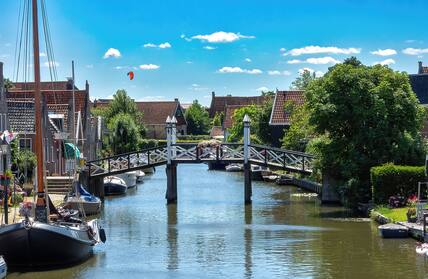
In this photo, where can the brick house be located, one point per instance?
(155, 114)
(280, 117)
(419, 83)
(57, 110)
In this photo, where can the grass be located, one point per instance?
(394, 214)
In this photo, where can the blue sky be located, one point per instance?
(187, 49)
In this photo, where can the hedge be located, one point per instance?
(193, 137)
(389, 180)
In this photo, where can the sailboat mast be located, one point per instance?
(38, 111)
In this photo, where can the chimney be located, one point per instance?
(213, 94)
(420, 70)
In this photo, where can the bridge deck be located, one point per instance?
(193, 153)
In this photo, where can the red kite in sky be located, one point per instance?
(131, 75)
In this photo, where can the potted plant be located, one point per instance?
(411, 215)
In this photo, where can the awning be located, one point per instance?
(71, 149)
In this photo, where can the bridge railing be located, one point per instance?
(281, 158)
(127, 161)
(200, 152)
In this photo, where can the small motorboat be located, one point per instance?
(270, 178)
(284, 180)
(234, 167)
(422, 249)
(81, 199)
(114, 185)
(257, 172)
(130, 178)
(149, 170)
(140, 176)
(3, 268)
(393, 231)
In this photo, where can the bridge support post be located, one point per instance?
(171, 168)
(247, 166)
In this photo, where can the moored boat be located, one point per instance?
(149, 170)
(234, 167)
(130, 178)
(140, 175)
(393, 231)
(81, 199)
(257, 172)
(114, 185)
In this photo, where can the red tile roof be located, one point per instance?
(219, 103)
(155, 113)
(279, 116)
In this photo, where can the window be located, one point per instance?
(25, 144)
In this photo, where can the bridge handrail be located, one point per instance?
(283, 150)
(125, 154)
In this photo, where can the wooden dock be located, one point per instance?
(415, 230)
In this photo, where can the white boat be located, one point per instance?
(140, 175)
(130, 178)
(257, 172)
(149, 170)
(422, 249)
(234, 167)
(3, 268)
(114, 185)
(81, 199)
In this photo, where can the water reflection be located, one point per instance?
(172, 237)
(212, 234)
(248, 239)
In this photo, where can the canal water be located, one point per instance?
(211, 234)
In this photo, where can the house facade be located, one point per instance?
(155, 114)
(57, 114)
(419, 83)
(280, 118)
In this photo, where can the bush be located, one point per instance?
(193, 137)
(147, 143)
(389, 180)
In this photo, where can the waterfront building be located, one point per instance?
(155, 113)
(57, 112)
(280, 119)
(419, 84)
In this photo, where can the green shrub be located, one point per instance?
(147, 143)
(193, 137)
(388, 180)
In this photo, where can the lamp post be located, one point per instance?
(4, 147)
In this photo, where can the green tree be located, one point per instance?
(365, 116)
(198, 121)
(218, 119)
(237, 130)
(268, 93)
(300, 132)
(263, 130)
(302, 82)
(124, 133)
(8, 84)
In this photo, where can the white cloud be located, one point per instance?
(279, 73)
(209, 47)
(163, 45)
(262, 89)
(317, 73)
(51, 64)
(120, 67)
(227, 70)
(295, 61)
(90, 66)
(247, 60)
(149, 67)
(318, 50)
(385, 62)
(222, 37)
(189, 62)
(282, 49)
(415, 51)
(322, 60)
(384, 52)
(315, 61)
(112, 52)
(42, 54)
